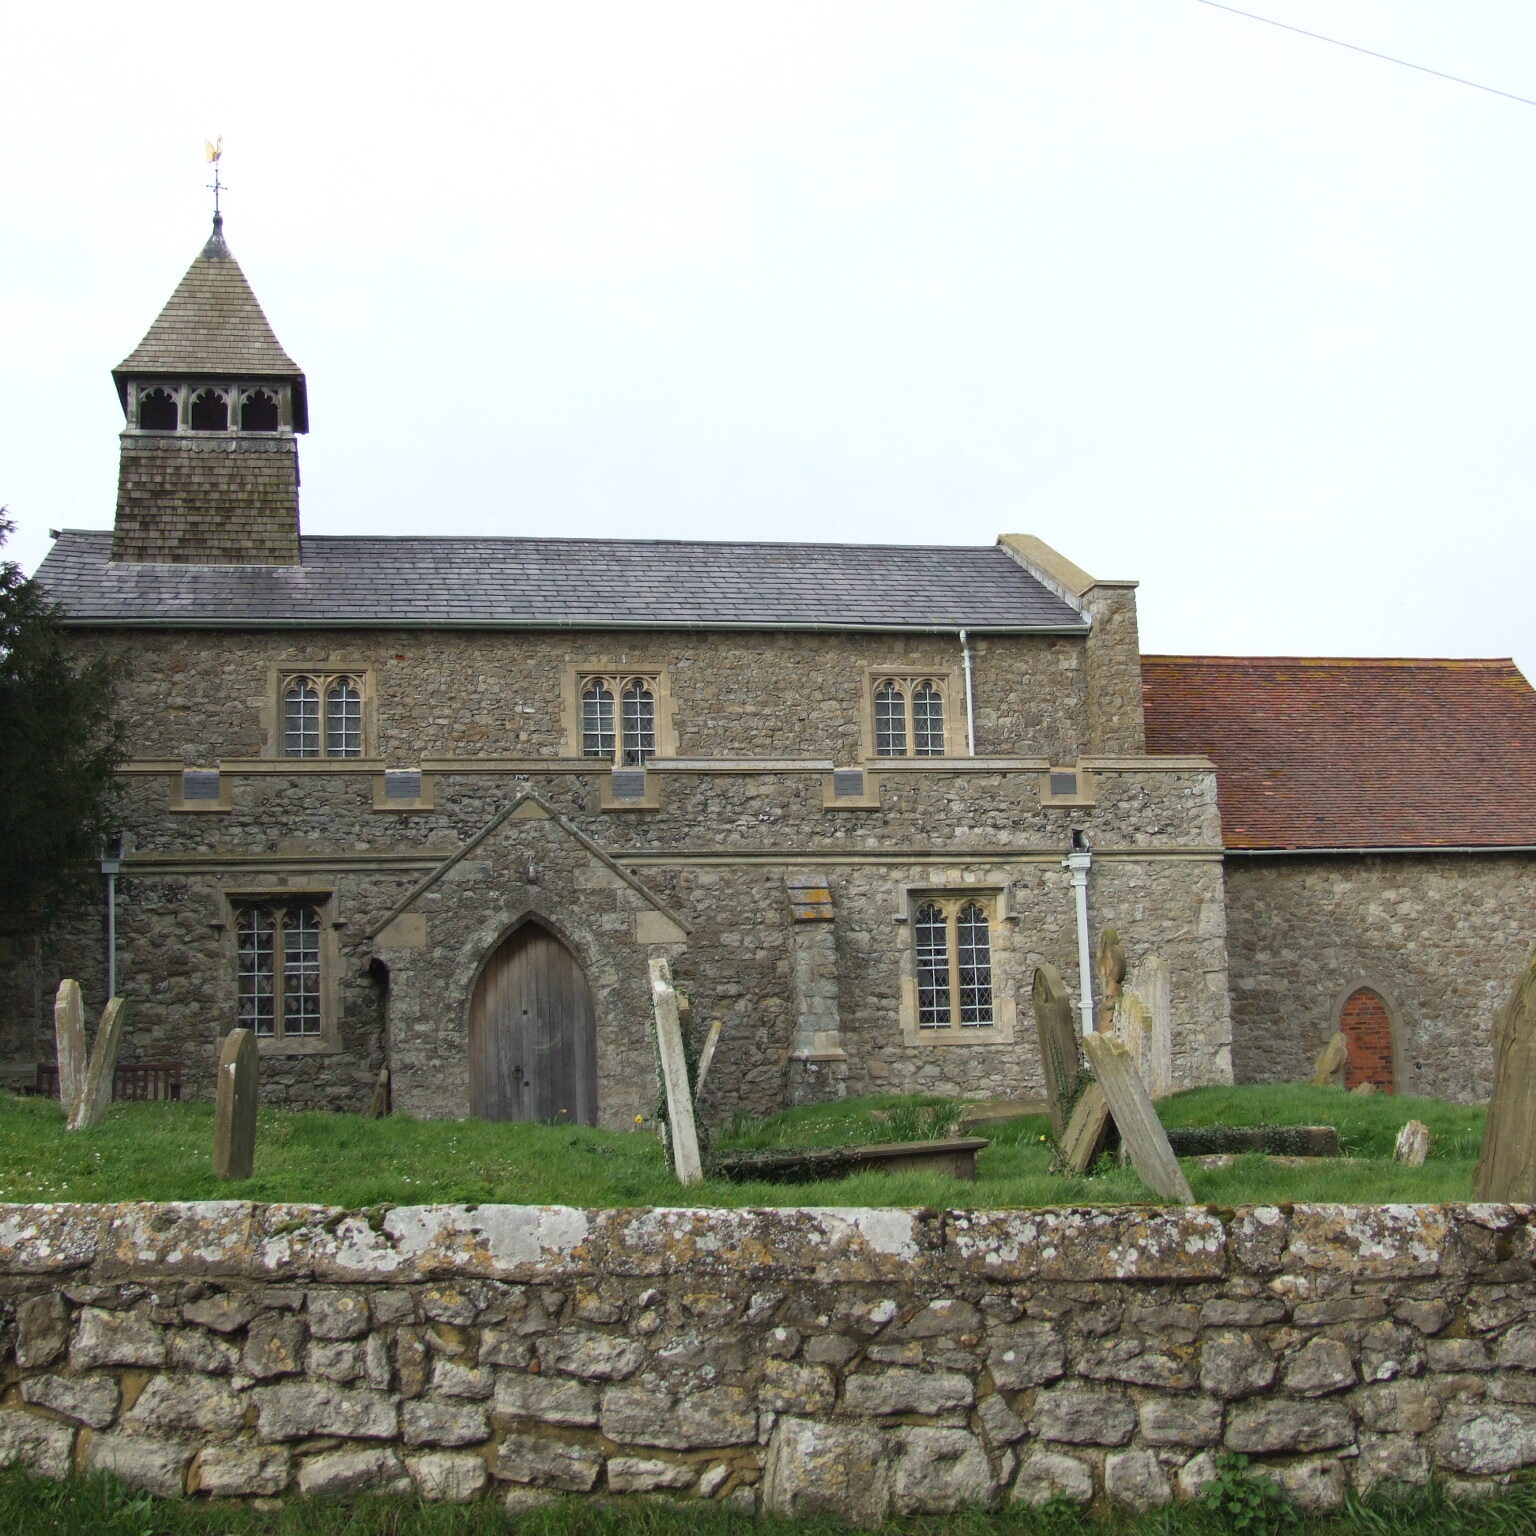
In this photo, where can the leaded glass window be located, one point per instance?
(909, 717)
(953, 936)
(618, 719)
(277, 947)
(323, 715)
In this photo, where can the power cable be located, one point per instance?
(1423, 69)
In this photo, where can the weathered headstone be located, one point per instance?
(1110, 964)
(1144, 1021)
(1060, 1054)
(1141, 1131)
(1325, 1070)
(69, 1039)
(1087, 1132)
(378, 1103)
(1507, 1168)
(683, 1134)
(234, 1112)
(707, 1056)
(1412, 1148)
(1364, 1090)
(96, 1088)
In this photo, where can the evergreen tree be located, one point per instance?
(60, 746)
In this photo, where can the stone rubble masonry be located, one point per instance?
(855, 1363)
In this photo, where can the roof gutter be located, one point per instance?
(1279, 853)
(697, 626)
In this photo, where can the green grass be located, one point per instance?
(162, 1152)
(101, 1507)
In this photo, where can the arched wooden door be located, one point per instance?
(532, 1034)
(1367, 1029)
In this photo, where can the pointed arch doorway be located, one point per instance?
(533, 1033)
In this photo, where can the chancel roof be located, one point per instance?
(552, 583)
(1316, 752)
(211, 325)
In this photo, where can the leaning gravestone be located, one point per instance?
(234, 1115)
(1111, 968)
(1144, 1021)
(1325, 1070)
(96, 1087)
(683, 1135)
(1060, 1056)
(1087, 1132)
(69, 1039)
(1141, 1132)
(1412, 1147)
(1506, 1171)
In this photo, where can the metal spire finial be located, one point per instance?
(214, 150)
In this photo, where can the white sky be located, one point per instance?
(1197, 301)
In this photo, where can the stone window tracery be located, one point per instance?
(618, 719)
(322, 715)
(909, 717)
(954, 963)
(277, 945)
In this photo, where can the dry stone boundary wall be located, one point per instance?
(861, 1362)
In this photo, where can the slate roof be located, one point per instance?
(1337, 753)
(211, 325)
(495, 582)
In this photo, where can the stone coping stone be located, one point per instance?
(231, 1238)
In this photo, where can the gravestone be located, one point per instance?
(69, 1039)
(1060, 1054)
(1087, 1132)
(1141, 1132)
(1144, 1022)
(672, 1062)
(1364, 1090)
(707, 1056)
(378, 1104)
(1412, 1148)
(96, 1088)
(1111, 968)
(1325, 1070)
(1507, 1168)
(234, 1113)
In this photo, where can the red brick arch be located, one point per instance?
(1367, 1029)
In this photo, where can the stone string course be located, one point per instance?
(857, 1362)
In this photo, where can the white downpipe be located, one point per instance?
(1080, 861)
(970, 713)
(111, 863)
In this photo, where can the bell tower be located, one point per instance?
(209, 471)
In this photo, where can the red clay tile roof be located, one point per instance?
(1316, 752)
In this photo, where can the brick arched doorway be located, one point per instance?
(1367, 1029)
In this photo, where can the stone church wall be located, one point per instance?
(852, 1364)
(1442, 937)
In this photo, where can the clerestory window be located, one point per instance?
(278, 951)
(953, 936)
(322, 715)
(618, 719)
(909, 717)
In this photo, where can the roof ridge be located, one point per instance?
(1336, 661)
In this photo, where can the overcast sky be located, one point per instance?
(1198, 301)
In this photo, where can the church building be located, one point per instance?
(432, 804)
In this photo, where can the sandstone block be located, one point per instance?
(42, 1330)
(186, 1404)
(456, 1304)
(1402, 1407)
(1457, 1355)
(1486, 1440)
(944, 1315)
(1314, 1486)
(1391, 1459)
(830, 1349)
(224, 1313)
(115, 1338)
(550, 1463)
(1278, 1425)
(1426, 1316)
(1129, 1360)
(638, 1474)
(500, 1346)
(451, 1379)
(337, 1314)
(552, 1399)
(647, 1413)
(1196, 1475)
(940, 1470)
(333, 1473)
(1026, 1355)
(1321, 1366)
(155, 1465)
(904, 1390)
(1234, 1365)
(448, 1476)
(839, 1470)
(190, 1349)
(999, 1423)
(1047, 1475)
(435, 1423)
(1517, 1349)
(1180, 1421)
(1135, 1479)
(1236, 1312)
(240, 1471)
(274, 1347)
(1084, 1416)
(39, 1445)
(590, 1356)
(788, 1387)
(89, 1400)
(294, 1410)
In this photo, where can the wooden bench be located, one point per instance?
(131, 1080)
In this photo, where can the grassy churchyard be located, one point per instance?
(161, 1151)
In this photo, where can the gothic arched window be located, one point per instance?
(157, 411)
(323, 715)
(343, 718)
(301, 718)
(278, 950)
(618, 719)
(210, 411)
(954, 963)
(258, 411)
(909, 717)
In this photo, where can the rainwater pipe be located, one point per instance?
(970, 713)
(1079, 861)
(111, 863)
